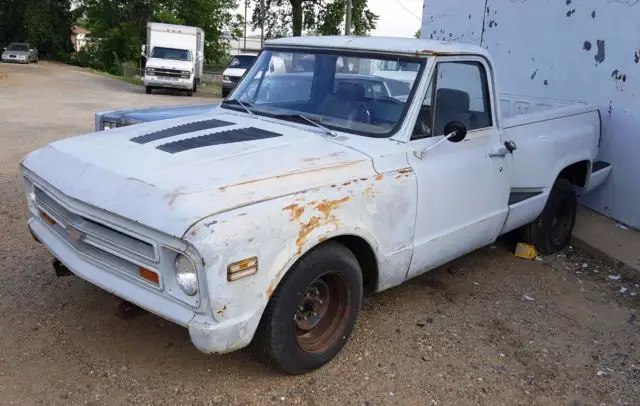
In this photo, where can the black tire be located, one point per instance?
(190, 92)
(551, 231)
(147, 90)
(195, 85)
(281, 340)
(225, 92)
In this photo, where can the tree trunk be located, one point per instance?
(296, 12)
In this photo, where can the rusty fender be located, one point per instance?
(379, 209)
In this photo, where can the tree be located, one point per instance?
(46, 24)
(119, 26)
(418, 33)
(319, 17)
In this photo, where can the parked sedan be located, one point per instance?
(20, 52)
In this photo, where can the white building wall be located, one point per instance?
(586, 50)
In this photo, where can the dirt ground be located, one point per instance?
(487, 329)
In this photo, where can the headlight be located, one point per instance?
(186, 275)
(185, 74)
(227, 78)
(31, 196)
(150, 71)
(108, 125)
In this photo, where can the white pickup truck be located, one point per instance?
(265, 220)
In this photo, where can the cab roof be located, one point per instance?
(409, 46)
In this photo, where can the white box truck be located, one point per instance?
(175, 56)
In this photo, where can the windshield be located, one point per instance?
(338, 91)
(171, 53)
(18, 47)
(241, 61)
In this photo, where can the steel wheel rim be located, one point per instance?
(322, 313)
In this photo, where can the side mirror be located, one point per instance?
(455, 131)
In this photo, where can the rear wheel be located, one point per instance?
(195, 85)
(311, 315)
(147, 90)
(551, 231)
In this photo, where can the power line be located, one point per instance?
(407, 10)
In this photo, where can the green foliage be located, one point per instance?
(118, 27)
(46, 24)
(315, 17)
(417, 34)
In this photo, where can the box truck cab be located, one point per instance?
(175, 55)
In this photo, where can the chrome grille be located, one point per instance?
(96, 239)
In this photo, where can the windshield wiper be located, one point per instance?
(244, 106)
(314, 121)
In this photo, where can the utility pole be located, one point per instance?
(246, 5)
(261, 24)
(347, 28)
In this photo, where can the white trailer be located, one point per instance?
(175, 57)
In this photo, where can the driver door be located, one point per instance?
(463, 192)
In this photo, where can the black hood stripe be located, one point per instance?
(223, 137)
(181, 129)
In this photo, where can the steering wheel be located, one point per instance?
(383, 99)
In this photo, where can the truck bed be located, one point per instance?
(521, 110)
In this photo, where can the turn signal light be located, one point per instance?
(48, 219)
(242, 269)
(149, 275)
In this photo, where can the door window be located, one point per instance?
(461, 94)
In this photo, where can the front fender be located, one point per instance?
(379, 209)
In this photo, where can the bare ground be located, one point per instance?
(487, 329)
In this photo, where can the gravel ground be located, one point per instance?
(486, 329)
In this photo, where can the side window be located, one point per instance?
(461, 95)
(423, 126)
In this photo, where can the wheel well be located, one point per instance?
(576, 173)
(365, 256)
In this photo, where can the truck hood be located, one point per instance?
(169, 64)
(170, 174)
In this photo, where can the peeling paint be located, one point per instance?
(546, 82)
(601, 55)
(295, 211)
(586, 46)
(379, 177)
(533, 75)
(636, 56)
(593, 14)
(571, 12)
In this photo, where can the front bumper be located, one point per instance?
(156, 82)
(207, 335)
(228, 85)
(15, 60)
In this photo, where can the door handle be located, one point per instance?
(508, 148)
(500, 153)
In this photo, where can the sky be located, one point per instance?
(398, 18)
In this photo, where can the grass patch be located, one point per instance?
(132, 80)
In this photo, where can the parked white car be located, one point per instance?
(265, 221)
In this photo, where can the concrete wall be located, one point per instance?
(586, 50)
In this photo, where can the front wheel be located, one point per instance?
(551, 231)
(147, 90)
(311, 315)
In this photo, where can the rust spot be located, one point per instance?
(323, 238)
(379, 177)
(305, 230)
(313, 202)
(222, 189)
(347, 183)
(405, 170)
(326, 207)
(220, 312)
(334, 185)
(369, 191)
(295, 211)
(363, 179)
